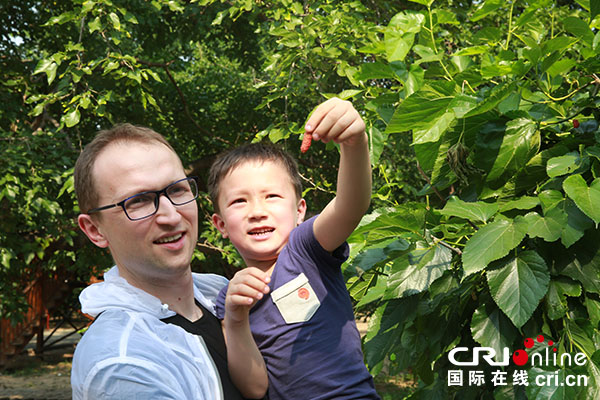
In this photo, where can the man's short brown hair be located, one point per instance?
(261, 152)
(85, 189)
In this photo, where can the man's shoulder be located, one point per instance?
(105, 334)
(115, 332)
(120, 337)
(208, 286)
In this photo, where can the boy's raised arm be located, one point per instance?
(337, 120)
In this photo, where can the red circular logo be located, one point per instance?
(303, 293)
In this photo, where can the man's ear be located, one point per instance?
(92, 230)
(219, 223)
(301, 211)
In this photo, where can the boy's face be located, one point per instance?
(258, 210)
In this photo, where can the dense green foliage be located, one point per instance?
(484, 228)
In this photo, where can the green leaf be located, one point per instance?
(576, 225)
(114, 19)
(407, 21)
(493, 329)
(375, 70)
(563, 165)
(581, 333)
(399, 35)
(550, 198)
(593, 309)
(488, 7)
(384, 325)
(518, 286)
(47, 66)
(435, 130)
(374, 293)
(580, 29)
(473, 211)
(462, 104)
(388, 223)
(415, 273)
(372, 256)
(397, 45)
(492, 242)
(548, 227)
(72, 118)
(586, 198)
(376, 144)
(426, 3)
(594, 9)
(62, 18)
(95, 25)
(519, 144)
(585, 272)
(561, 67)
(493, 98)
(426, 112)
(39, 108)
(556, 298)
(522, 203)
(473, 50)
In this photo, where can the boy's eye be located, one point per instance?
(272, 195)
(237, 201)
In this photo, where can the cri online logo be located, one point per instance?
(519, 357)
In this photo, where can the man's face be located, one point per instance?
(152, 249)
(258, 210)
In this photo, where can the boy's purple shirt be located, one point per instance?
(322, 357)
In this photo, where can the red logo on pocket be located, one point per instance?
(303, 293)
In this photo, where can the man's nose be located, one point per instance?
(167, 212)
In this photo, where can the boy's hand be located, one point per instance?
(336, 120)
(245, 288)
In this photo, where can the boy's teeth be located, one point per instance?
(259, 232)
(169, 239)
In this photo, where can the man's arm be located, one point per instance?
(337, 120)
(246, 365)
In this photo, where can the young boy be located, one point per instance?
(305, 329)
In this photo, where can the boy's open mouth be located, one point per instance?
(261, 231)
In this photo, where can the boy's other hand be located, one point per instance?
(245, 288)
(337, 120)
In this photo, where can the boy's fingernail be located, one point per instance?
(308, 127)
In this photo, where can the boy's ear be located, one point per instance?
(92, 230)
(301, 211)
(218, 223)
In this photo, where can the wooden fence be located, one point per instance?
(43, 293)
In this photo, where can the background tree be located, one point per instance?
(483, 127)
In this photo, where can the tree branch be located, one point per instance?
(165, 67)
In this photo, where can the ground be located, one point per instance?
(34, 377)
(30, 377)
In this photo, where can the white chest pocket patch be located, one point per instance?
(296, 300)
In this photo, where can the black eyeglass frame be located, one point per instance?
(156, 200)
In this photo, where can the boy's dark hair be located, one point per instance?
(228, 160)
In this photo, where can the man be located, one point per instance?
(155, 335)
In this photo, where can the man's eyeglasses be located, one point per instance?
(145, 204)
